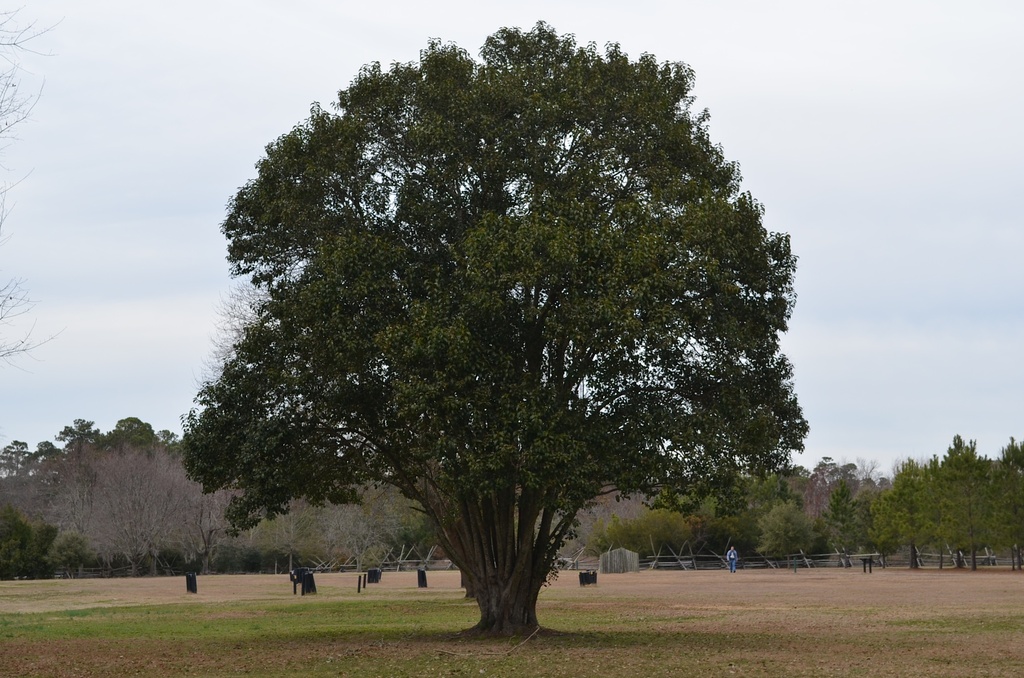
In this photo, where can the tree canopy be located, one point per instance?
(502, 286)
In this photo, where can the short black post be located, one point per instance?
(359, 583)
(190, 582)
(421, 578)
(308, 583)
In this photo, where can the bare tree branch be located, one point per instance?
(15, 108)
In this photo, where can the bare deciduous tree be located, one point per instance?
(358, 530)
(290, 534)
(140, 496)
(203, 527)
(71, 484)
(15, 107)
(235, 311)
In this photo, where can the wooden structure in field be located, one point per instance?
(620, 560)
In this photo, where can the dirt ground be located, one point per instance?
(755, 622)
(884, 590)
(77, 594)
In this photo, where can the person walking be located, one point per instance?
(732, 557)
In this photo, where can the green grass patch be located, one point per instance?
(717, 627)
(236, 621)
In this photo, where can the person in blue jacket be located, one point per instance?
(732, 557)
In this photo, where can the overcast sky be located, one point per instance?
(884, 137)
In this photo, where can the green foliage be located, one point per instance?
(965, 484)
(46, 450)
(129, 433)
(647, 534)
(24, 546)
(79, 434)
(235, 557)
(901, 514)
(841, 518)
(763, 493)
(1009, 506)
(415, 531)
(731, 515)
(71, 551)
(785, 529)
(502, 287)
(14, 458)
(961, 501)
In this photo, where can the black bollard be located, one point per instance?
(190, 582)
(421, 578)
(308, 583)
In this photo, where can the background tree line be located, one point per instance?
(953, 507)
(120, 502)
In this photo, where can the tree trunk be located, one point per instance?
(913, 556)
(508, 607)
(506, 544)
(207, 550)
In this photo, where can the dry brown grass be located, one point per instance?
(810, 623)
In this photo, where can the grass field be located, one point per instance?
(821, 622)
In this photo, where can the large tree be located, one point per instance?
(965, 483)
(1009, 501)
(901, 514)
(140, 497)
(503, 286)
(24, 545)
(785, 529)
(840, 518)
